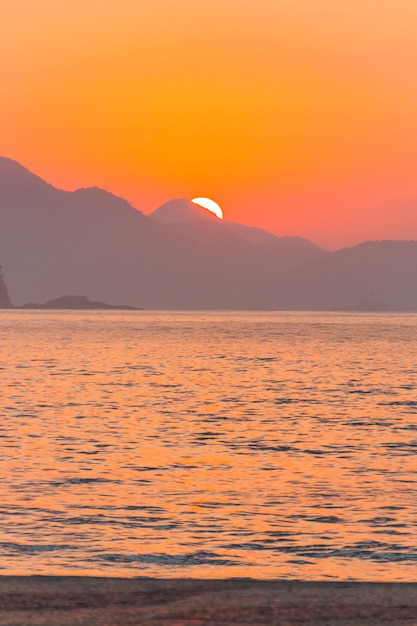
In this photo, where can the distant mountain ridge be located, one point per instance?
(180, 256)
(181, 210)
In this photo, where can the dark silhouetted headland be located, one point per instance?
(4, 294)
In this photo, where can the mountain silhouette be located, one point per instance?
(181, 210)
(180, 256)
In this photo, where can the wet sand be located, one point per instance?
(82, 601)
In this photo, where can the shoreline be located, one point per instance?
(104, 601)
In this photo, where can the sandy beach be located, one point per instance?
(65, 601)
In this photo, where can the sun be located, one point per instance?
(212, 206)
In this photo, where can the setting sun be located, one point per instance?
(212, 206)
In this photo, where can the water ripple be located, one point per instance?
(209, 444)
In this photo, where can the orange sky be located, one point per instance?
(295, 115)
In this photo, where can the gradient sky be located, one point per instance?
(298, 116)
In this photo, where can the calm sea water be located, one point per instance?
(273, 445)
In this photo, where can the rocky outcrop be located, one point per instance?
(4, 295)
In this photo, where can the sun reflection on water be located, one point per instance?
(209, 445)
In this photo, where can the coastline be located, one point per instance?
(96, 601)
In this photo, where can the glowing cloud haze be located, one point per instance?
(298, 116)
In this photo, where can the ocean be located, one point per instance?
(209, 445)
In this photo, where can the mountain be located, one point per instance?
(289, 251)
(87, 241)
(264, 239)
(92, 242)
(372, 276)
(181, 210)
(180, 256)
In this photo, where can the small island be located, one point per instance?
(78, 303)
